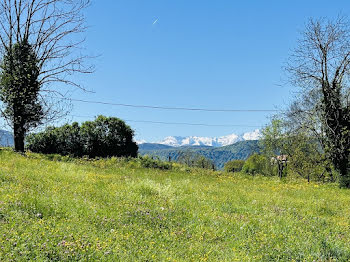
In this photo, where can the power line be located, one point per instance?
(189, 124)
(167, 108)
(177, 123)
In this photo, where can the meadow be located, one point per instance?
(117, 210)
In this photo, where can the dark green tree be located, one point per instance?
(103, 137)
(19, 91)
(321, 65)
(108, 136)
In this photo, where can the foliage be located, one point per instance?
(193, 159)
(19, 90)
(149, 162)
(257, 164)
(276, 147)
(234, 166)
(104, 137)
(203, 162)
(53, 28)
(273, 139)
(320, 65)
(307, 159)
(304, 152)
(105, 210)
(108, 136)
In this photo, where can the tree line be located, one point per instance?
(103, 137)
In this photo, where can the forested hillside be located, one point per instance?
(220, 155)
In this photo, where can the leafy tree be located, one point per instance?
(320, 65)
(305, 155)
(104, 137)
(19, 90)
(69, 140)
(43, 142)
(307, 159)
(108, 136)
(256, 164)
(234, 166)
(273, 140)
(274, 144)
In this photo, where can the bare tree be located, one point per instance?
(304, 116)
(320, 65)
(53, 29)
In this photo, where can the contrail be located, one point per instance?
(155, 21)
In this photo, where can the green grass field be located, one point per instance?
(113, 210)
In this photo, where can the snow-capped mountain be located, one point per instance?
(139, 142)
(255, 135)
(177, 141)
(200, 141)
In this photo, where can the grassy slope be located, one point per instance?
(113, 212)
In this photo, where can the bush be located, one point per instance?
(148, 162)
(234, 166)
(104, 137)
(256, 164)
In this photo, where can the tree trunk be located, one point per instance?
(19, 133)
(344, 175)
(280, 169)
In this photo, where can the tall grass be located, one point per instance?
(115, 210)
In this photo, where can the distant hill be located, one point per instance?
(220, 155)
(6, 138)
(152, 146)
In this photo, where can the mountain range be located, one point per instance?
(179, 141)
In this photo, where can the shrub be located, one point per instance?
(149, 162)
(104, 137)
(234, 166)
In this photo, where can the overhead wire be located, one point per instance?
(175, 123)
(165, 107)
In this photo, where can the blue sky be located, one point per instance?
(213, 54)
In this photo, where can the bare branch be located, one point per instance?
(53, 28)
